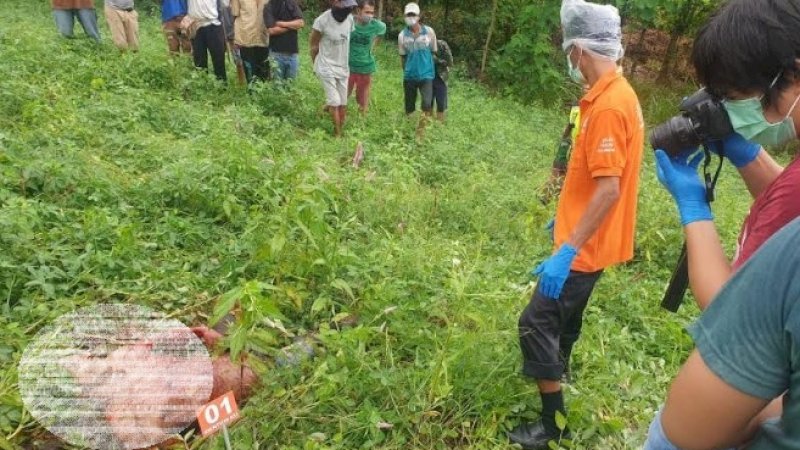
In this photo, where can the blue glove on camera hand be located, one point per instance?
(679, 176)
(738, 150)
(553, 272)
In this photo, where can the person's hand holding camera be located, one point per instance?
(737, 149)
(679, 175)
(553, 272)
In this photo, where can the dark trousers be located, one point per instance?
(425, 88)
(256, 63)
(549, 328)
(210, 39)
(440, 94)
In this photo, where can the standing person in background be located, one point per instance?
(65, 12)
(209, 37)
(283, 18)
(596, 216)
(365, 36)
(444, 60)
(330, 52)
(417, 45)
(123, 21)
(251, 37)
(172, 13)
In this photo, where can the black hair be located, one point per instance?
(363, 3)
(746, 44)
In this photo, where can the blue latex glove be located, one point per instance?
(679, 175)
(739, 151)
(553, 272)
(551, 227)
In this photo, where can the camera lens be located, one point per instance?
(675, 135)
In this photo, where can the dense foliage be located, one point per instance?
(133, 178)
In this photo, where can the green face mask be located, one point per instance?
(747, 118)
(574, 71)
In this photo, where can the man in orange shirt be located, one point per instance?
(596, 216)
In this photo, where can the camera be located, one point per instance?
(703, 118)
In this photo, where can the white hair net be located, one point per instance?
(592, 27)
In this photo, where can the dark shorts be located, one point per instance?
(440, 94)
(548, 328)
(425, 88)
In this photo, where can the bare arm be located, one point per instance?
(709, 268)
(760, 173)
(291, 24)
(316, 36)
(403, 62)
(605, 196)
(276, 31)
(703, 412)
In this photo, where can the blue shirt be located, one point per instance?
(171, 9)
(418, 51)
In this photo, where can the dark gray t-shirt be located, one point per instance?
(750, 335)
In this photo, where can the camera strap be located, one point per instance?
(680, 277)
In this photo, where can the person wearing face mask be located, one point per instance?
(596, 214)
(366, 35)
(417, 44)
(330, 52)
(730, 392)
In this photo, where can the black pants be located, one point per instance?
(425, 87)
(440, 94)
(256, 62)
(549, 328)
(210, 39)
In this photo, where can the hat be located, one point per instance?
(349, 3)
(412, 8)
(592, 27)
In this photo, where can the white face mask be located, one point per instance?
(366, 18)
(411, 21)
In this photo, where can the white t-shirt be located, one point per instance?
(334, 46)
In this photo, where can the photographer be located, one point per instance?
(596, 214)
(747, 340)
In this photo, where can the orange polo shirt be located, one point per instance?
(609, 144)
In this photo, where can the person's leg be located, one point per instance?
(116, 27)
(132, 30)
(410, 94)
(341, 86)
(65, 21)
(440, 97)
(88, 19)
(260, 63)
(248, 60)
(351, 84)
(426, 91)
(183, 36)
(200, 49)
(293, 67)
(362, 92)
(216, 47)
(170, 30)
(573, 320)
(540, 328)
(332, 103)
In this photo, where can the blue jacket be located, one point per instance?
(171, 9)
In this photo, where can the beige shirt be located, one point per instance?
(248, 24)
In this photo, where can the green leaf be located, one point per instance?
(561, 421)
(224, 305)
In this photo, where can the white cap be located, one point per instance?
(412, 8)
(592, 27)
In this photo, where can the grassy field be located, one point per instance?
(133, 178)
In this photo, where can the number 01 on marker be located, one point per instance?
(221, 411)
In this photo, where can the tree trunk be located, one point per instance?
(489, 33)
(638, 55)
(380, 9)
(446, 17)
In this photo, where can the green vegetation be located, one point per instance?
(133, 178)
